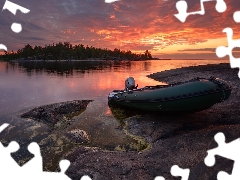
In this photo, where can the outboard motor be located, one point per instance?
(130, 84)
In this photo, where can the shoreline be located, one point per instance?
(102, 59)
(181, 140)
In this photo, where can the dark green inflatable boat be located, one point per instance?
(190, 96)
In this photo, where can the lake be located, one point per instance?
(28, 84)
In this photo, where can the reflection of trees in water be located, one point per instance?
(63, 67)
(132, 65)
(122, 65)
(78, 67)
(147, 65)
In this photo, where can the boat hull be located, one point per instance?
(191, 96)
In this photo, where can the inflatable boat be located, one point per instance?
(190, 96)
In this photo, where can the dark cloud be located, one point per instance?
(205, 56)
(201, 49)
(37, 39)
(207, 49)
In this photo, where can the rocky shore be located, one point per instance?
(181, 140)
(57, 112)
(59, 116)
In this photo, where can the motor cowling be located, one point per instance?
(130, 83)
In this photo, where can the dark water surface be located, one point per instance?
(29, 84)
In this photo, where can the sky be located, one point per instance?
(135, 25)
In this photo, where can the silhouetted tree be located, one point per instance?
(68, 51)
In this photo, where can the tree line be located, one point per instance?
(66, 51)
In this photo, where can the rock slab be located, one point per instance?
(56, 112)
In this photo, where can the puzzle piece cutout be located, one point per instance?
(111, 1)
(182, 9)
(9, 168)
(236, 16)
(85, 177)
(32, 169)
(159, 178)
(16, 27)
(177, 171)
(12, 7)
(222, 51)
(35, 164)
(227, 150)
(9, 163)
(2, 46)
(3, 126)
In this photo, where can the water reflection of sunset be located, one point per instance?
(2, 66)
(72, 84)
(114, 77)
(117, 80)
(108, 112)
(85, 82)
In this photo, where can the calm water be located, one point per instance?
(26, 85)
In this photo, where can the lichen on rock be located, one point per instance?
(78, 136)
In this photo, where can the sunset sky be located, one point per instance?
(135, 25)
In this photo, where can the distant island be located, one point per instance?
(66, 51)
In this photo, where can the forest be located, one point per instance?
(66, 51)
